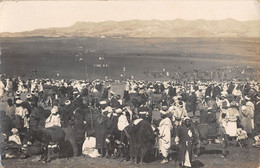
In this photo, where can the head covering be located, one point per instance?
(29, 96)
(33, 92)
(18, 92)
(107, 109)
(247, 98)
(209, 108)
(67, 102)
(103, 102)
(14, 130)
(186, 118)
(119, 110)
(18, 101)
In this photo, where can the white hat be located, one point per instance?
(103, 102)
(209, 108)
(119, 110)
(143, 112)
(18, 101)
(29, 96)
(186, 118)
(75, 92)
(18, 92)
(247, 98)
(108, 109)
(67, 102)
(14, 130)
(33, 92)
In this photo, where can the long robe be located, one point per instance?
(245, 121)
(185, 142)
(101, 130)
(257, 118)
(165, 128)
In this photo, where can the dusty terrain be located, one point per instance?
(77, 57)
(238, 158)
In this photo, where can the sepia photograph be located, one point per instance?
(129, 83)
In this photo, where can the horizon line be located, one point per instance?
(132, 20)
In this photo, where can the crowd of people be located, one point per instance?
(94, 120)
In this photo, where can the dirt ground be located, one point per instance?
(210, 158)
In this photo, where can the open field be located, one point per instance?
(45, 57)
(238, 158)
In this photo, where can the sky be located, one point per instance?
(17, 16)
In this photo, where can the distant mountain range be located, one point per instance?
(150, 28)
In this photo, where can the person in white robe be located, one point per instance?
(165, 128)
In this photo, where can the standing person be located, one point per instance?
(10, 109)
(191, 103)
(18, 118)
(184, 140)
(9, 87)
(106, 93)
(232, 118)
(251, 110)
(245, 120)
(101, 131)
(257, 115)
(165, 128)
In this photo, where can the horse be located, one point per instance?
(141, 140)
(208, 132)
(50, 139)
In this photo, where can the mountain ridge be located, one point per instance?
(150, 28)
